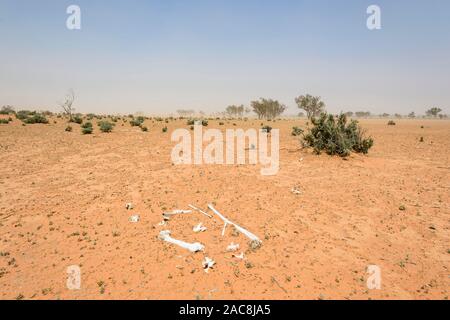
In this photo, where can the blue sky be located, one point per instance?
(160, 56)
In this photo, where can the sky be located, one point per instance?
(158, 56)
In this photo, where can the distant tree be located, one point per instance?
(67, 104)
(362, 114)
(235, 111)
(312, 105)
(185, 113)
(434, 112)
(398, 116)
(385, 115)
(349, 114)
(267, 108)
(412, 115)
(7, 110)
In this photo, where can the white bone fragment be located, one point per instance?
(233, 247)
(134, 218)
(199, 210)
(162, 223)
(129, 206)
(247, 233)
(224, 227)
(167, 215)
(208, 263)
(193, 247)
(240, 257)
(199, 228)
(295, 191)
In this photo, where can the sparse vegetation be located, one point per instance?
(313, 106)
(68, 129)
(267, 108)
(391, 123)
(164, 130)
(87, 128)
(335, 136)
(106, 126)
(296, 131)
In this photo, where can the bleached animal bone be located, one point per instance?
(233, 247)
(193, 247)
(240, 257)
(129, 206)
(199, 228)
(208, 263)
(167, 215)
(199, 210)
(247, 233)
(295, 191)
(134, 218)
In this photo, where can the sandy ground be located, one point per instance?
(63, 195)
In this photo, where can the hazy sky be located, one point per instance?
(160, 56)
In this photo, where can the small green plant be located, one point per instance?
(69, 129)
(4, 121)
(144, 128)
(164, 129)
(192, 122)
(137, 122)
(76, 119)
(391, 123)
(87, 128)
(296, 131)
(106, 126)
(221, 123)
(36, 118)
(336, 136)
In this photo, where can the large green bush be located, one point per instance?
(336, 136)
(31, 117)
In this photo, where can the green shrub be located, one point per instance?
(144, 128)
(7, 110)
(35, 118)
(87, 128)
(4, 121)
(391, 123)
(337, 137)
(164, 129)
(221, 123)
(68, 129)
(137, 122)
(105, 126)
(296, 131)
(76, 119)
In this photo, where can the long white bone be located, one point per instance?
(167, 215)
(247, 233)
(199, 210)
(193, 247)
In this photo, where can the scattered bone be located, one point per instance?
(199, 228)
(168, 215)
(240, 256)
(199, 210)
(233, 247)
(193, 247)
(129, 206)
(208, 263)
(162, 223)
(247, 233)
(296, 191)
(134, 218)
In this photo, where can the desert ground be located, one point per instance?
(63, 196)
